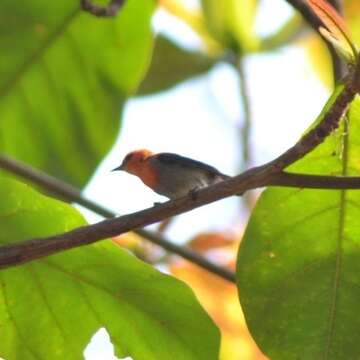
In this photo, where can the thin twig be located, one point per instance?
(245, 101)
(245, 130)
(67, 192)
(102, 11)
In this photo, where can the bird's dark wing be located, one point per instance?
(175, 159)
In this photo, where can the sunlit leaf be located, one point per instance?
(50, 308)
(298, 263)
(64, 76)
(194, 18)
(231, 22)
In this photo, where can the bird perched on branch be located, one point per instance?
(170, 174)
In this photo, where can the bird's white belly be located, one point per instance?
(178, 184)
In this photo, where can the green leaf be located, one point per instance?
(299, 263)
(64, 76)
(231, 22)
(50, 308)
(171, 65)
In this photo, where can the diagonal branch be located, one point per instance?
(67, 192)
(21, 252)
(25, 251)
(326, 126)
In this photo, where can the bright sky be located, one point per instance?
(200, 119)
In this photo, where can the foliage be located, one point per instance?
(298, 260)
(57, 88)
(65, 77)
(82, 290)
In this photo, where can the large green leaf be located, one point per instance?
(299, 264)
(64, 75)
(231, 22)
(50, 308)
(171, 65)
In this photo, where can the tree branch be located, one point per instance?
(246, 128)
(25, 251)
(22, 252)
(316, 181)
(67, 192)
(329, 123)
(102, 11)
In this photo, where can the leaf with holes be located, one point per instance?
(50, 308)
(64, 76)
(299, 262)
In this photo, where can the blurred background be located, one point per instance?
(231, 118)
(230, 83)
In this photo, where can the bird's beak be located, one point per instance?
(121, 167)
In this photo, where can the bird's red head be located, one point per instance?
(133, 162)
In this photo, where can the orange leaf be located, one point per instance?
(336, 30)
(220, 299)
(212, 240)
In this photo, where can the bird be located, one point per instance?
(170, 174)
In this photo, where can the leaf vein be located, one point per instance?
(12, 320)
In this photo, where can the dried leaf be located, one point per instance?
(211, 240)
(236, 341)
